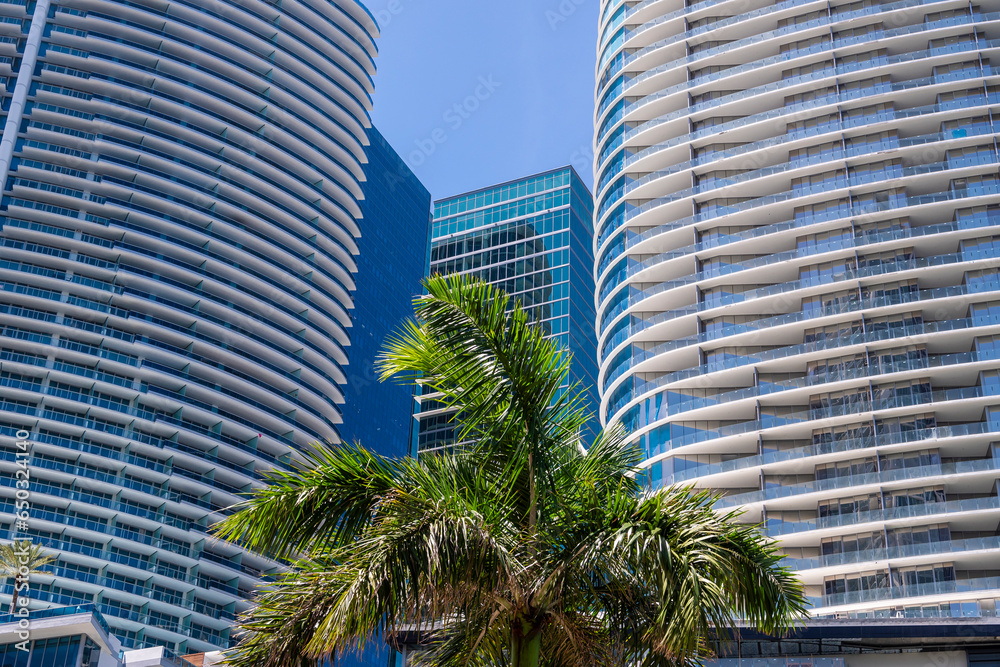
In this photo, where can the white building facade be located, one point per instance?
(180, 188)
(798, 249)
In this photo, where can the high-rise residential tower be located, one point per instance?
(180, 189)
(533, 238)
(391, 263)
(798, 277)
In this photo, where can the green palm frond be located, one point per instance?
(523, 548)
(485, 357)
(328, 500)
(23, 554)
(20, 559)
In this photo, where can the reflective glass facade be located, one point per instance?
(396, 214)
(798, 280)
(179, 220)
(533, 238)
(55, 652)
(392, 262)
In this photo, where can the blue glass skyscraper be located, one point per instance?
(391, 262)
(532, 237)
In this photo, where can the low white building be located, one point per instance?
(78, 636)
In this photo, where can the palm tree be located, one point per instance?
(523, 549)
(21, 559)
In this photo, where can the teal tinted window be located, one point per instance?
(10, 656)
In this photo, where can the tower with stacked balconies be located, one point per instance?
(180, 186)
(798, 280)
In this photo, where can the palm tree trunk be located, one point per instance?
(13, 599)
(525, 647)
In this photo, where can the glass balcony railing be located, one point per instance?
(733, 20)
(223, 438)
(122, 559)
(180, 308)
(208, 635)
(738, 428)
(187, 377)
(685, 403)
(772, 114)
(777, 528)
(62, 611)
(785, 415)
(630, 240)
(631, 211)
(896, 200)
(825, 448)
(640, 355)
(980, 585)
(155, 514)
(833, 157)
(74, 599)
(909, 551)
(782, 58)
(877, 64)
(801, 256)
(915, 474)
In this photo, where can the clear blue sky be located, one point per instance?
(475, 92)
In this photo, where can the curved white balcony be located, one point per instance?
(788, 195)
(179, 232)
